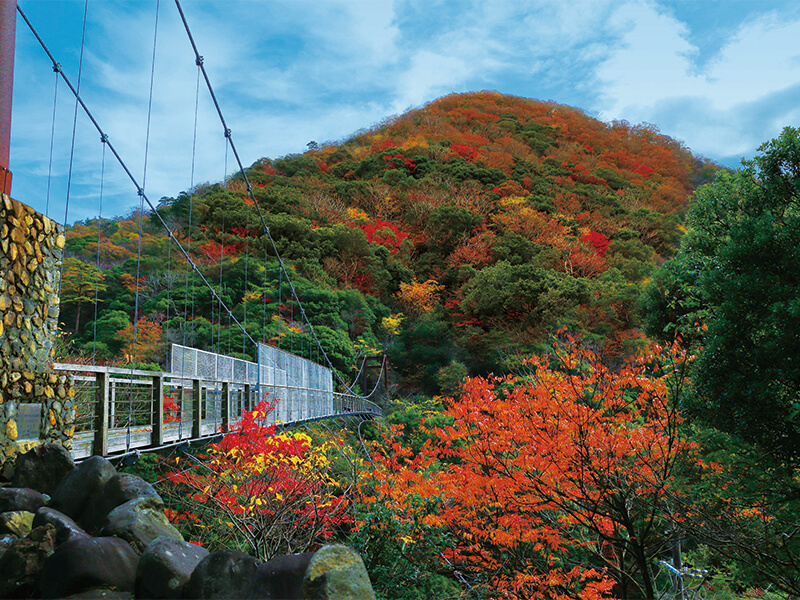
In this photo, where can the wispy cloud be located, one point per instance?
(292, 71)
(713, 102)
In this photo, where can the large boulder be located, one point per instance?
(66, 528)
(85, 563)
(165, 568)
(88, 478)
(16, 522)
(221, 575)
(337, 572)
(121, 488)
(21, 499)
(6, 541)
(42, 468)
(281, 578)
(23, 561)
(139, 522)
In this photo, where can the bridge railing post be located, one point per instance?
(157, 405)
(101, 415)
(226, 407)
(197, 407)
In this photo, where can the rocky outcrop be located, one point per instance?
(85, 563)
(87, 479)
(47, 550)
(16, 522)
(66, 528)
(337, 572)
(42, 467)
(21, 499)
(23, 562)
(165, 568)
(139, 522)
(281, 577)
(223, 574)
(118, 490)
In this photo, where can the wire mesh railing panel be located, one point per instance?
(85, 402)
(226, 367)
(183, 360)
(239, 372)
(130, 403)
(296, 389)
(206, 365)
(212, 403)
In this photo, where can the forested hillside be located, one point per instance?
(528, 245)
(454, 237)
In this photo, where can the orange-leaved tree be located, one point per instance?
(552, 484)
(259, 490)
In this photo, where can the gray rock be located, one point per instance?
(42, 468)
(74, 491)
(165, 568)
(281, 578)
(337, 572)
(21, 499)
(221, 575)
(23, 561)
(6, 541)
(66, 528)
(118, 490)
(85, 563)
(139, 522)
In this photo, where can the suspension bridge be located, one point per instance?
(199, 394)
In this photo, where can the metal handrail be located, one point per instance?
(106, 398)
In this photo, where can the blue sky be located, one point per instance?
(720, 75)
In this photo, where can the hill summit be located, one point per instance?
(453, 236)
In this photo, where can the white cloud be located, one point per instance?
(652, 74)
(290, 71)
(762, 58)
(651, 61)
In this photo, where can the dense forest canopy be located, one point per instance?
(453, 237)
(539, 251)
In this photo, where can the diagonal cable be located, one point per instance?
(228, 134)
(125, 168)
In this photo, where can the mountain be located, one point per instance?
(456, 237)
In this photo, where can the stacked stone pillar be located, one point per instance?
(36, 404)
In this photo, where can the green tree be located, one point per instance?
(736, 275)
(80, 285)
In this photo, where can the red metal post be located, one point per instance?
(8, 29)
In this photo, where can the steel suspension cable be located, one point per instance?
(189, 247)
(125, 168)
(141, 226)
(56, 69)
(74, 129)
(99, 242)
(228, 134)
(244, 296)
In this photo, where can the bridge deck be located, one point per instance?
(118, 410)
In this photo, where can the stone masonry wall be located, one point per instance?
(35, 402)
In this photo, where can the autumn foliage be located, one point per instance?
(553, 484)
(264, 491)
